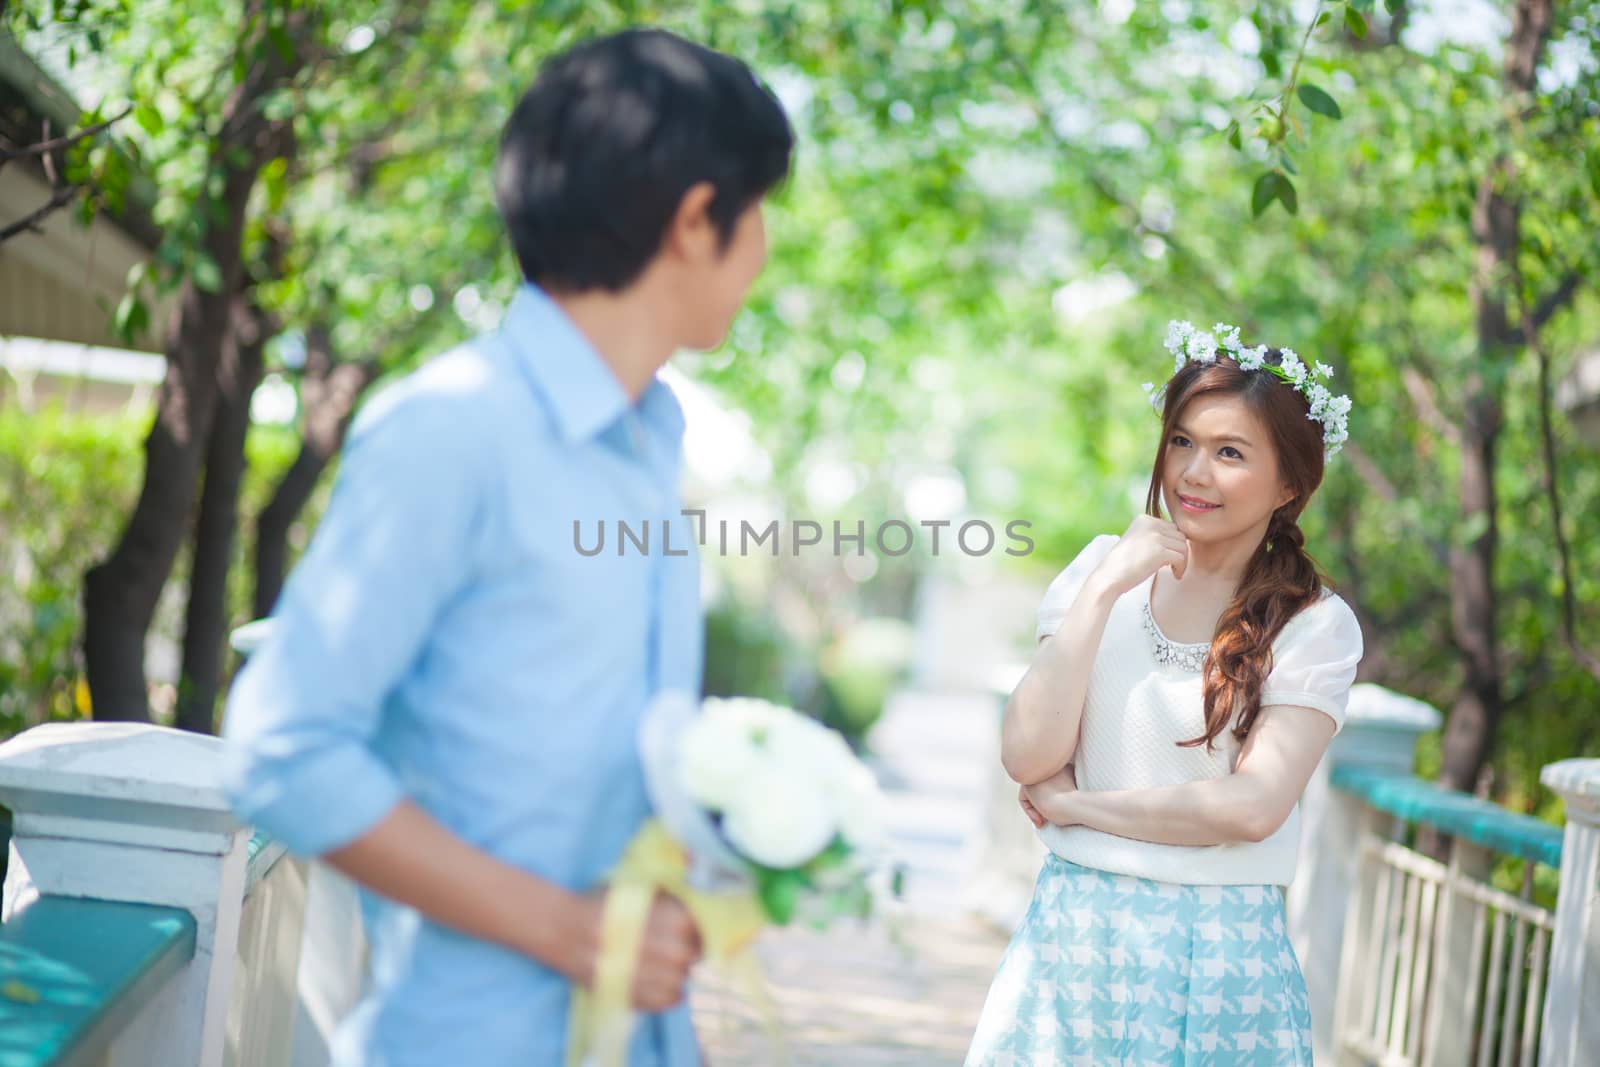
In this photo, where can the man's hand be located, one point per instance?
(669, 948)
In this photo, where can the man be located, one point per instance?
(447, 706)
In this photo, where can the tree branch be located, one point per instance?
(1558, 298)
(1586, 659)
(43, 147)
(63, 196)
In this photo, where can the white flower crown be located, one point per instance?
(1188, 344)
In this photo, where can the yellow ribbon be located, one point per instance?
(601, 1020)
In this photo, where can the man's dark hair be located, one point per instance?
(598, 154)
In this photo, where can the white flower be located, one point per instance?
(1178, 335)
(858, 806)
(1252, 358)
(824, 757)
(1227, 337)
(1202, 348)
(722, 749)
(1154, 395)
(779, 818)
(784, 783)
(1324, 370)
(1292, 367)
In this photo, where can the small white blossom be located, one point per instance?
(1227, 337)
(1203, 348)
(1324, 370)
(1252, 358)
(1292, 367)
(1178, 335)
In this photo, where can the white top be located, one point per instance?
(1138, 708)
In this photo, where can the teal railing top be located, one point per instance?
(74, 972)
(1460, 814)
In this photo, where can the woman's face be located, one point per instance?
(1219, 477)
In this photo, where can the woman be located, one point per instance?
(1188, 679)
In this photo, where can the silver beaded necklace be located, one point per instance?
(1169, 652)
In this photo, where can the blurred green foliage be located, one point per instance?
(66, 483)
(996, 206)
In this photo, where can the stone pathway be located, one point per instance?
(906, 991)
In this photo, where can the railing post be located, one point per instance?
(1458, 943)
(132, 812)
(1381, 731)
(1570, 1036)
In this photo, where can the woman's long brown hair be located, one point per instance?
(1281, 577)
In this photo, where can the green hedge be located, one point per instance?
(68, 483)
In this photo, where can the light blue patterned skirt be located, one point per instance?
(1110, 970)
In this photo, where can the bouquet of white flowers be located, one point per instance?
(798, 809)
(762, 815)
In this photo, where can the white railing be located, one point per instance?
(1413, 961)
(1443, 968)
(133, 813)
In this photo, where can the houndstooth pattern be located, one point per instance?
(1110, 970)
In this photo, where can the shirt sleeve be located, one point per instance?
(1314, 660)
(1063, 590)
(394, 547)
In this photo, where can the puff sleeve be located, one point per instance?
(1064, 588)
(1314, 660)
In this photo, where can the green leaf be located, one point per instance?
(780, 892)
(1235, 138)
(1274, 185)
(1469, 529)
(1356, 21)
(282, 42)
(837, 852)
(149, 119)
(1315, 99)
(1324, 17)
(207, 275)
(131, 318)
(1264, 193)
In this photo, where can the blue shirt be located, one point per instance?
(444, 639)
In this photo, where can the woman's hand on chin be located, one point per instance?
(1147, 545)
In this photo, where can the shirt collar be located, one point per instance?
(584, 395)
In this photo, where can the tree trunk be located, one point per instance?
(329, 392)
(120, 593)
(206, 622)
(1496, 231)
